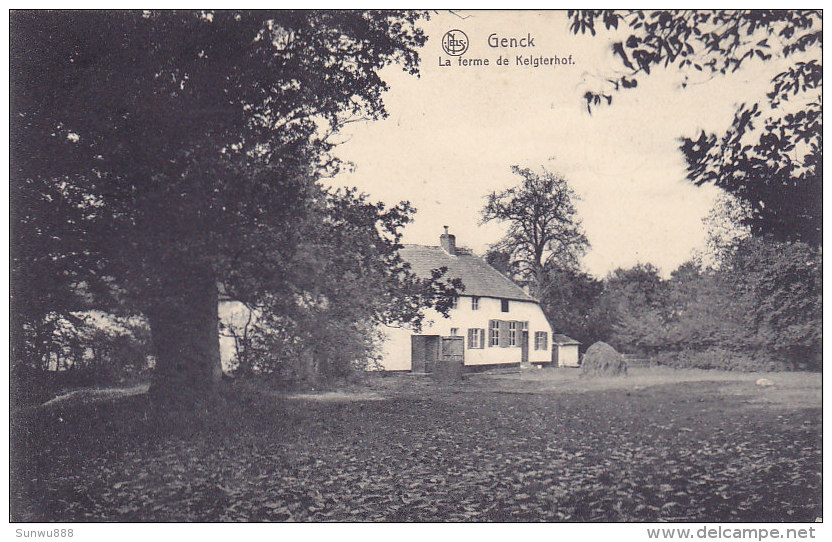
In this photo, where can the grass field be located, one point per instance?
(546, 445)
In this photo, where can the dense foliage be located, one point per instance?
(76, 349)
(771, 157)
(571, 304)
(348, 278)
(755, 299)
(158, 154)
(760, 309)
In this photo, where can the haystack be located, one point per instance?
(602, 359)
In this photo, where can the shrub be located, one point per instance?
(84, 348)
(309, 348)
(721, 358)
(602, 359)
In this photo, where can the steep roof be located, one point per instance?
(479, 278)
(561, 339)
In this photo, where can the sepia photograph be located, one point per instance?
(416, 266)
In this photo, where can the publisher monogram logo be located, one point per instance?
(455, 42)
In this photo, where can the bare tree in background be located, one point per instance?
(544, 228)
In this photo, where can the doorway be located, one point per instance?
(524, 347)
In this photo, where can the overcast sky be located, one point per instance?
(453, 133)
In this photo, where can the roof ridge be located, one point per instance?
(477, 275)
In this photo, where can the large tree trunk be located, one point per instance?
(186, 340)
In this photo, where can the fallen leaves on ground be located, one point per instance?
(676, 452)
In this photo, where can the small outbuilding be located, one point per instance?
(565, 351)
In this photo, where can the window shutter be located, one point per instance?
(503, 334)
(471, 339)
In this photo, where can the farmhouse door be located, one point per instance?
(524, 347)
(451, 359)
(432, 355)
(453, 350)
(424, 353)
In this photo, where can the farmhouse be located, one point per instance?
(494, 322)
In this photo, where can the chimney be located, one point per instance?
(448, 242)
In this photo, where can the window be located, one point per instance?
(475, 303)
(455, 303)
(454, 331)
(504, 305)
(541, 340)
(476, 338)
(493, 333)
(512, 333)
(525, 326)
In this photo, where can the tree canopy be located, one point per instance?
(543, 226)
(157, 153)
(771, 157)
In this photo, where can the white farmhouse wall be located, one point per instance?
(231, 313)
(567, 355)
(396, 349)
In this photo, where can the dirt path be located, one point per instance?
(336, 396)
(788, 389)
(89, 395)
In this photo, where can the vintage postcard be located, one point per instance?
(417, 266)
